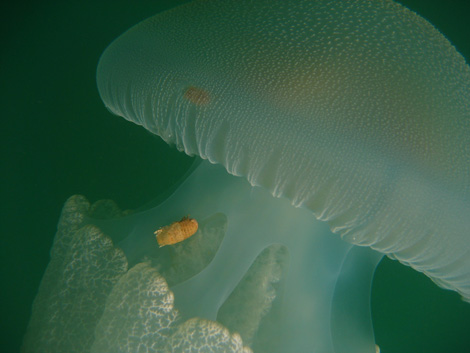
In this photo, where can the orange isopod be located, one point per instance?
(177, 231)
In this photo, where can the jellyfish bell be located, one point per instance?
(356, 112)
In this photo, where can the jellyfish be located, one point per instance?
(326, 134)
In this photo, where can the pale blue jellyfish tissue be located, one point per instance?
(320, 124)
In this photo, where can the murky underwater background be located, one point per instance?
(59, 140)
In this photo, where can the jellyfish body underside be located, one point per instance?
(322, 301)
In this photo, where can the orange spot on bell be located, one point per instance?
(197, 95)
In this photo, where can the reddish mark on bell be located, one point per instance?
(197, 95)
(176, 232)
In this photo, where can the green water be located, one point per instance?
(59, 140)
